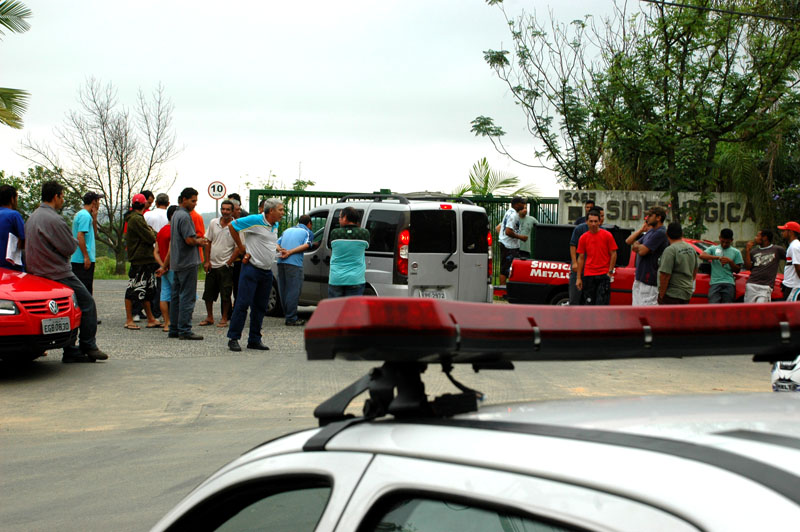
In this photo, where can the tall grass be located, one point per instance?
(105, 269)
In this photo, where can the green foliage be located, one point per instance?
(13, 102)
(483, 181)
(29, 190)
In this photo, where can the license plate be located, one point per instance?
(784, 386)
(434, 294)
(55, 325)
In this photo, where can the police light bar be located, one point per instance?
(427, 330)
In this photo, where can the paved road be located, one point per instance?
(114, 445)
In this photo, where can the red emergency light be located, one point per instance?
(426, 330)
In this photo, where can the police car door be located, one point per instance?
(433, 258)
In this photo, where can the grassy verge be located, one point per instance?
(105, 269)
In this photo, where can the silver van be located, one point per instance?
(420, 246)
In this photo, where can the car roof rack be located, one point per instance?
(407, 334)
(375, 197)
(440, 197)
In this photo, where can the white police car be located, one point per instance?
(722, 462)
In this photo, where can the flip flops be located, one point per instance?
(205, 323)
(132, 327)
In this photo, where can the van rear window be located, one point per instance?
(476, 230)
(432, 232)
(382, 227)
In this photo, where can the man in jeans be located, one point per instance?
(183, 259)
(294, 242)
(49, 246)
(648, 249)
(725, 261)
(349, 243)
(255, 282)
(598, 256)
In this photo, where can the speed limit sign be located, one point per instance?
(217, 190)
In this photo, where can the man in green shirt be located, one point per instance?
(678, 269)
(348, 263)
(725, 261)
(526, 224)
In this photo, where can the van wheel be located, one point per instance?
(561, 299)
(274, 307)
(369, 291)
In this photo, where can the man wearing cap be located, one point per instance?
(142, 273)
(49, 244)
(84, 228)
(648, 242)
(791, 272)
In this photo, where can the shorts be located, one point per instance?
(507, 256)
(794, 295)
(219, 281)
(757, 293)
(644, 294)
(141, 282)
(166, 286)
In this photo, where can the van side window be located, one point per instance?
(382, 227)
(476, 230)
(432, 231)
(318, 220)
(335, 222)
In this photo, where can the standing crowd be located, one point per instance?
(667, 266)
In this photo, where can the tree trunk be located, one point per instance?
(119, 255)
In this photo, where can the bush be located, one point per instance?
(105, 266)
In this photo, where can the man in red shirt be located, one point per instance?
(598, 255)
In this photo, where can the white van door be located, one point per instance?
(473, 270)
(433, 257)
(315, 272)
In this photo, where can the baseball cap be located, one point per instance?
(91, 196)
(139, 198)
(791, 226)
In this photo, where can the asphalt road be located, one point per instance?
(114, 445)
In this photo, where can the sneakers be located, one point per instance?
(190, 336)
(295, 323)
(95, 354)
(259, 346)
(233, 345)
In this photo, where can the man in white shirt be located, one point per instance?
(510, 237)
(221, 251)
(791, 272)
(157, 218)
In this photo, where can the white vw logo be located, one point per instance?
(53, 306)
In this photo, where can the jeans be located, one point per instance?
(596, 289)
(721, 293)
(184, 295)
(254, 287)
(290, 282)
(88, 329)
(346, 290)
(85, 276)
(575, 295)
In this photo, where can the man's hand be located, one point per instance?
(750, 245)
(87, 264)
(660, 299)
(579, 283)
(246, 258)
(524, 238)
(284, 253)
(725, 260)
(207, 266)
(574, 266)
(635, 247)
(161, 271)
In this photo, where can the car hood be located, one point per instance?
(24, 286)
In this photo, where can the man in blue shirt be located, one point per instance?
(11, 223)
(83, 229)
(294, 242)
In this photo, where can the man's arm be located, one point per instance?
(510, 232)
(613, 262)
(579, 280)
(573, 255)
(239, 245)
(299, 249)
(633, 237)
(748, 262)
(87, 263)
(663, 284)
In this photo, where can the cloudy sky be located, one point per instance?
(354, 95)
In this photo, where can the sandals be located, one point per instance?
(132, 327)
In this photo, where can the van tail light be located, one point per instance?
(402, 252)
(490, 265)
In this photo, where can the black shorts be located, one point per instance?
(219, 281)
(141, 282)
(507, 256)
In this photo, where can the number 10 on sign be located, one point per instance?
(217, 191)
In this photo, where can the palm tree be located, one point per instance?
(13, 102)
(484, 181)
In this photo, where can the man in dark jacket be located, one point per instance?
(142, 274)
(49, 246)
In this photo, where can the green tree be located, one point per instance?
(29, 190)
(483, 181)
(13, 102)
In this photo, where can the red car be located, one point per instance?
(540, 282)
(36, 315)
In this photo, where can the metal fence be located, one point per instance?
(299, 202)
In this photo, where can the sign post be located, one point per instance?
(217, 191)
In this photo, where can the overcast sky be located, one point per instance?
(354, 95)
